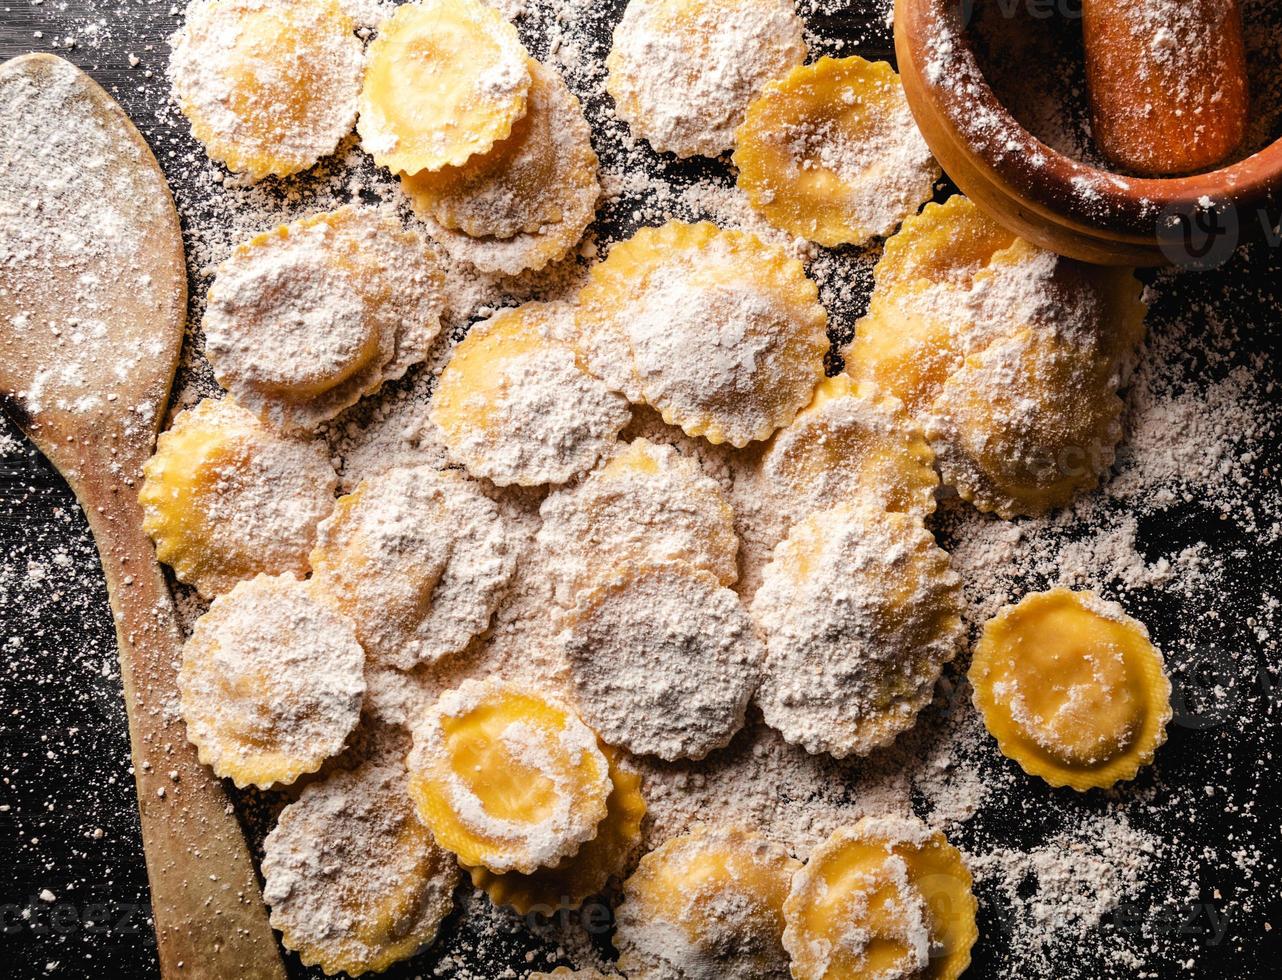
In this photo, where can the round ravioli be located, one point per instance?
(1028, 424)
(271, 682)
(708, 904)
(648, 504)
(269, 86)
(304, 320)
(586, 873)
(886, 898)
(830, 152)
(1072, 689)
(445, 80)
(515, 406)
(419, 559)
(860, 610)
(851, 444)
(507, 779)
(721, 333)
(663, 659)
(682, 72)
(354, 881)
(543, 175)
(225, 498)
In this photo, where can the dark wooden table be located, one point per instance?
(74, 899)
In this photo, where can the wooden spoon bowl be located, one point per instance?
(1051, 199)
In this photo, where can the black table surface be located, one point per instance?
(74, 899)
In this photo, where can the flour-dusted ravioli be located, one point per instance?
(682, 72)
(851, 444)
(225, 498)
(506, 778)
(887, 897)
(538, 181)
(446, 80)
(861, 611)
(586, 872)
(1072, 689)
(354, 881)
(514, 404)
(707, 904)
(304, 320)
(721, 333)
(269, 86)
(831, 152)
(271, 682)
(419, 559)
(1026, 425)
(1009, 356)
(646, 504)
(663, 659)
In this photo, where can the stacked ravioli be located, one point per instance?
(729, 534)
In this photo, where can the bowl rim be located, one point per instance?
(935, 38)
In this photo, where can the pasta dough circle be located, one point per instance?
(1010, 356)
(271, 682)
(1072, 689)
(831, 152)
(225, 498)
(721, 333)
(707, 904)
(515, 406)
(851, 443)
(445, 80)
(269, 86)
(860, 611)
(304, 320)
(542, 175)
(419, 559)
(682, 72)
(587, 872)
(647, 504)
(883, 899)
(507, 779)
(663, 659)
(354, 881)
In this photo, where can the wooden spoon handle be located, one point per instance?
(1168, 82)
(209, 914)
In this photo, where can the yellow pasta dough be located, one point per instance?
(1009, 356)
(418, 558)
(225, 498)
(542, 177)
(884, 898)
(585, 873)
(271, 682)
(445, 80)
(721, 333)
(304, 320)
(354, 881)
(707, 904)
(514, 404)
(1072, 689)
(565, 973)
(860, 611)
(852, 443)
(270, 86)
(507, 779)
(831, 152)
(682, 72)
(646, 504)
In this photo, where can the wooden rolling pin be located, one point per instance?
(1167, 81)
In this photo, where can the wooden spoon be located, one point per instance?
(93, 299)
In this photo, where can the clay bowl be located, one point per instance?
(1055, 201)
